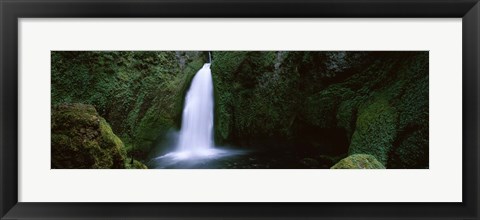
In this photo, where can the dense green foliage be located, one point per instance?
(330, 103)
(253, 101)
(140, 94)
(83, 139)
(375, 131)
(318, 106)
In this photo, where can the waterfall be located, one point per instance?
(194, 143)
(196, 133)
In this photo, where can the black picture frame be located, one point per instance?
(12, 10)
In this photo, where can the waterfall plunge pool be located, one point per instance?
(205, 158)
(194, 144)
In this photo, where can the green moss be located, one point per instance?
(411, 148)
(394, 100)
(108, 136)
(412, 103)
(223, 117)
(359, 161)
(113, 143)
(226, 63)
(375, 130)
(135, 165)
(253, 98)
(224, 68)
(321, 109)
(377, 100)
(83, 139)
(153, 125)
(347, 114)
(139, 93)
(412, 151)
(164, 112)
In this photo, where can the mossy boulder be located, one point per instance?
(359, 161)
(318, 102)
(140, 93)
(81, 139)
(135, 164)
(375, 131)
(332, 103)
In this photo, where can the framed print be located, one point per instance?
(227, 109)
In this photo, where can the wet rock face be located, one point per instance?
(81, 139)
(139, 93)
(328, 103)
(359, 161)
(184, 57)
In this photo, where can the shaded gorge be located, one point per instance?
(262, 109)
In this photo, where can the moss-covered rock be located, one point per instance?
(140, 93)
(81, 139)
(302, 98)
(135, 164)
(329, 103)
(224, 68)
(412, 151)
(255, 99)
(347, 114)
(321, 109)
(164, 112)
(375, 131)
(411, 148)
(359, 161)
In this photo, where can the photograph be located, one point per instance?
(239, 109)
(278, 109)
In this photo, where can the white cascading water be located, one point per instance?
(195, 140)
(196, 134)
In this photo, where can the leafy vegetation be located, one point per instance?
(140, 94)
(83, 139)
(323, 106)
(326, 103)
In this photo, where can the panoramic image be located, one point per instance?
(239, 109)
